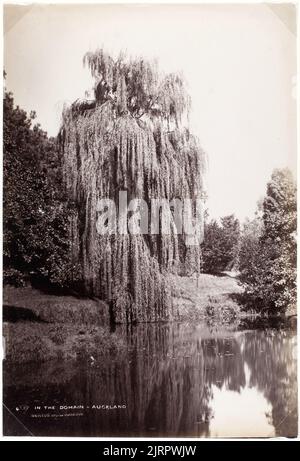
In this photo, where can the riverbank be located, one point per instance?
(208, 296)
(41, 327)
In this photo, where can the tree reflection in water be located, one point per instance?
(168, 378)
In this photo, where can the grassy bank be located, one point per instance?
(42, 327)
(30, 304)
(210, 296)
(32, 341)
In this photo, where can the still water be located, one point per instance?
(168, 380)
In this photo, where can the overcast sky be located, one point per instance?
(239, 62)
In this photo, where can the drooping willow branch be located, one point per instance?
(123, 141)
(135, 85)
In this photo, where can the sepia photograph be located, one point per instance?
(149, 221)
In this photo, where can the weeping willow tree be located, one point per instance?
(130, 137)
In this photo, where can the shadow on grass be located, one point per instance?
(248, 304)
(77, 291)
(242, 299)
(20, 314)
(259, 317)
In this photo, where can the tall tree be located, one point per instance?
(230, 241)
(130, 138)
(268, 258)
(35, 220)
(220, 248)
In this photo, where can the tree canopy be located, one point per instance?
(268, 249)
(220, 248)
(135, 86)
(35, 218)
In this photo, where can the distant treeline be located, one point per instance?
(262, 250)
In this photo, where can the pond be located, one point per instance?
(170, 379)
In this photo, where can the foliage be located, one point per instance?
(268, 249)
(129, 139)
(135, 86)
(250, 243)
(220, 248)
(35, 217)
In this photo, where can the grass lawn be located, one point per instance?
(41, 327)
(210, 295)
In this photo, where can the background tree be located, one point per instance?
(268, 251)
(220, 248)
(230, 242)
(250, 243)
(35, 218)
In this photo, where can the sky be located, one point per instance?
(239, 62)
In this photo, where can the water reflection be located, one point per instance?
(170, 379)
